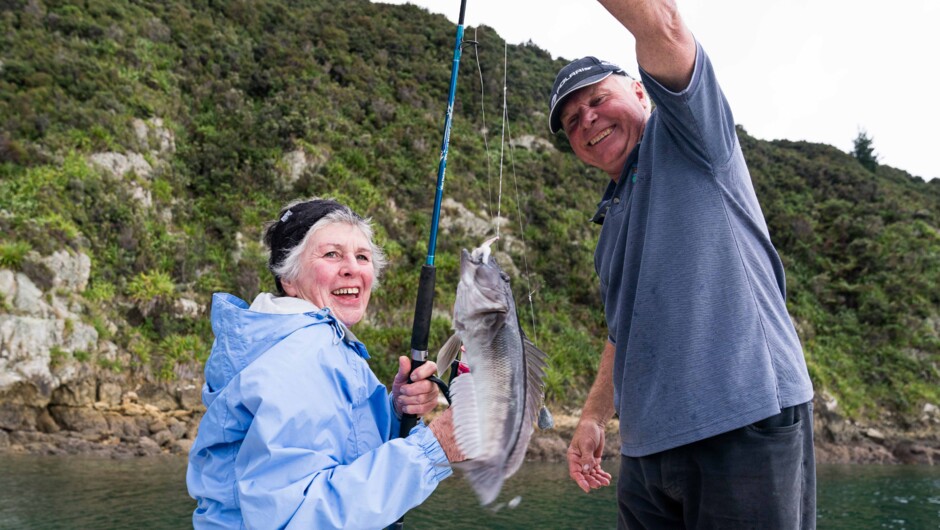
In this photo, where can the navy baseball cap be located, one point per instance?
(579, 73)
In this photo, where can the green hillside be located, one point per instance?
(228, 93)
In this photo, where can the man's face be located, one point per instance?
(605, 121)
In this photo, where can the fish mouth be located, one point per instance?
(600, 136)
(481, 254)
(481, 281)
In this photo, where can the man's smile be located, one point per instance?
(603, 134)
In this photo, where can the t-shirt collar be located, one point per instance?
(612, 186)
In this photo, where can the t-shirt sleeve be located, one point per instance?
(699, 116)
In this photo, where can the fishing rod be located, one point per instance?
(424, 304)
(421, 326)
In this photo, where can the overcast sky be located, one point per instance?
(815, 70)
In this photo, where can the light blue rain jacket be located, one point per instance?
(297, 428)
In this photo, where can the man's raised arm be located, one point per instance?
(665, 48)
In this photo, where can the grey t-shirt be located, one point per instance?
(693, 289)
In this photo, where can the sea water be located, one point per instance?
(48, 492)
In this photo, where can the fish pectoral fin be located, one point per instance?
(447, 353)
(466, 416)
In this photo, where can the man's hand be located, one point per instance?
(584, 457)
(418, 397)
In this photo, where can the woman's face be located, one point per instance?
(336, 272)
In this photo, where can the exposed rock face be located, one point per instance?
(153, 136)
(54, 398)
(156, 140)
(120, 164)
(458, 219)
(531, 142)
(295, 163)
(38, 327)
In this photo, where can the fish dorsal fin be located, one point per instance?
(465, 416)
(447, 353)
(535, 362)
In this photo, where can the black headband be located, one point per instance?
(292, 227)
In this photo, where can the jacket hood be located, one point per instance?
(242, 335)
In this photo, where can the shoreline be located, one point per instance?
(133, 430)
(836, 441)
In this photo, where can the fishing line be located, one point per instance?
(484, 131)
(525, 259)
(506, 131)
(502, 142)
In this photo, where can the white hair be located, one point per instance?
(626, 81)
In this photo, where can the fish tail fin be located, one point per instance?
(485, 477)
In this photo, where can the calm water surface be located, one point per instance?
(89, 493)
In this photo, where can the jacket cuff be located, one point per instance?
(425, 439)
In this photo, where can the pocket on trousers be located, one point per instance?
(787, 421)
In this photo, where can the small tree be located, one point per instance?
(864, 151)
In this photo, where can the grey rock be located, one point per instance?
(45, 423)
(156, 395)
(26, 343)
(190, 396)
(295, 163)
(124, 426)
(156, 426)
(163, 438)
(531, 142)
(181, 447)
(109, 392)
(186, 308)
(7, 285)
(76, 446)
(875, 434)
(84, 420)
(69, 271)
(119, 164)
(27, 437)
(76, 393)
(17, 417)
(147, 446)
(28, 298)
(176, 427)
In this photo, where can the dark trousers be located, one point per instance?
(761, 476)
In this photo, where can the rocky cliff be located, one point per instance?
(59, 391)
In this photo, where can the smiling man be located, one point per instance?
(702, 363)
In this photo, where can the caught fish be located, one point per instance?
(495, 404)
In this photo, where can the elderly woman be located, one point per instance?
(298, 431)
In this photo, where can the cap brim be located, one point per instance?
(554, 118)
